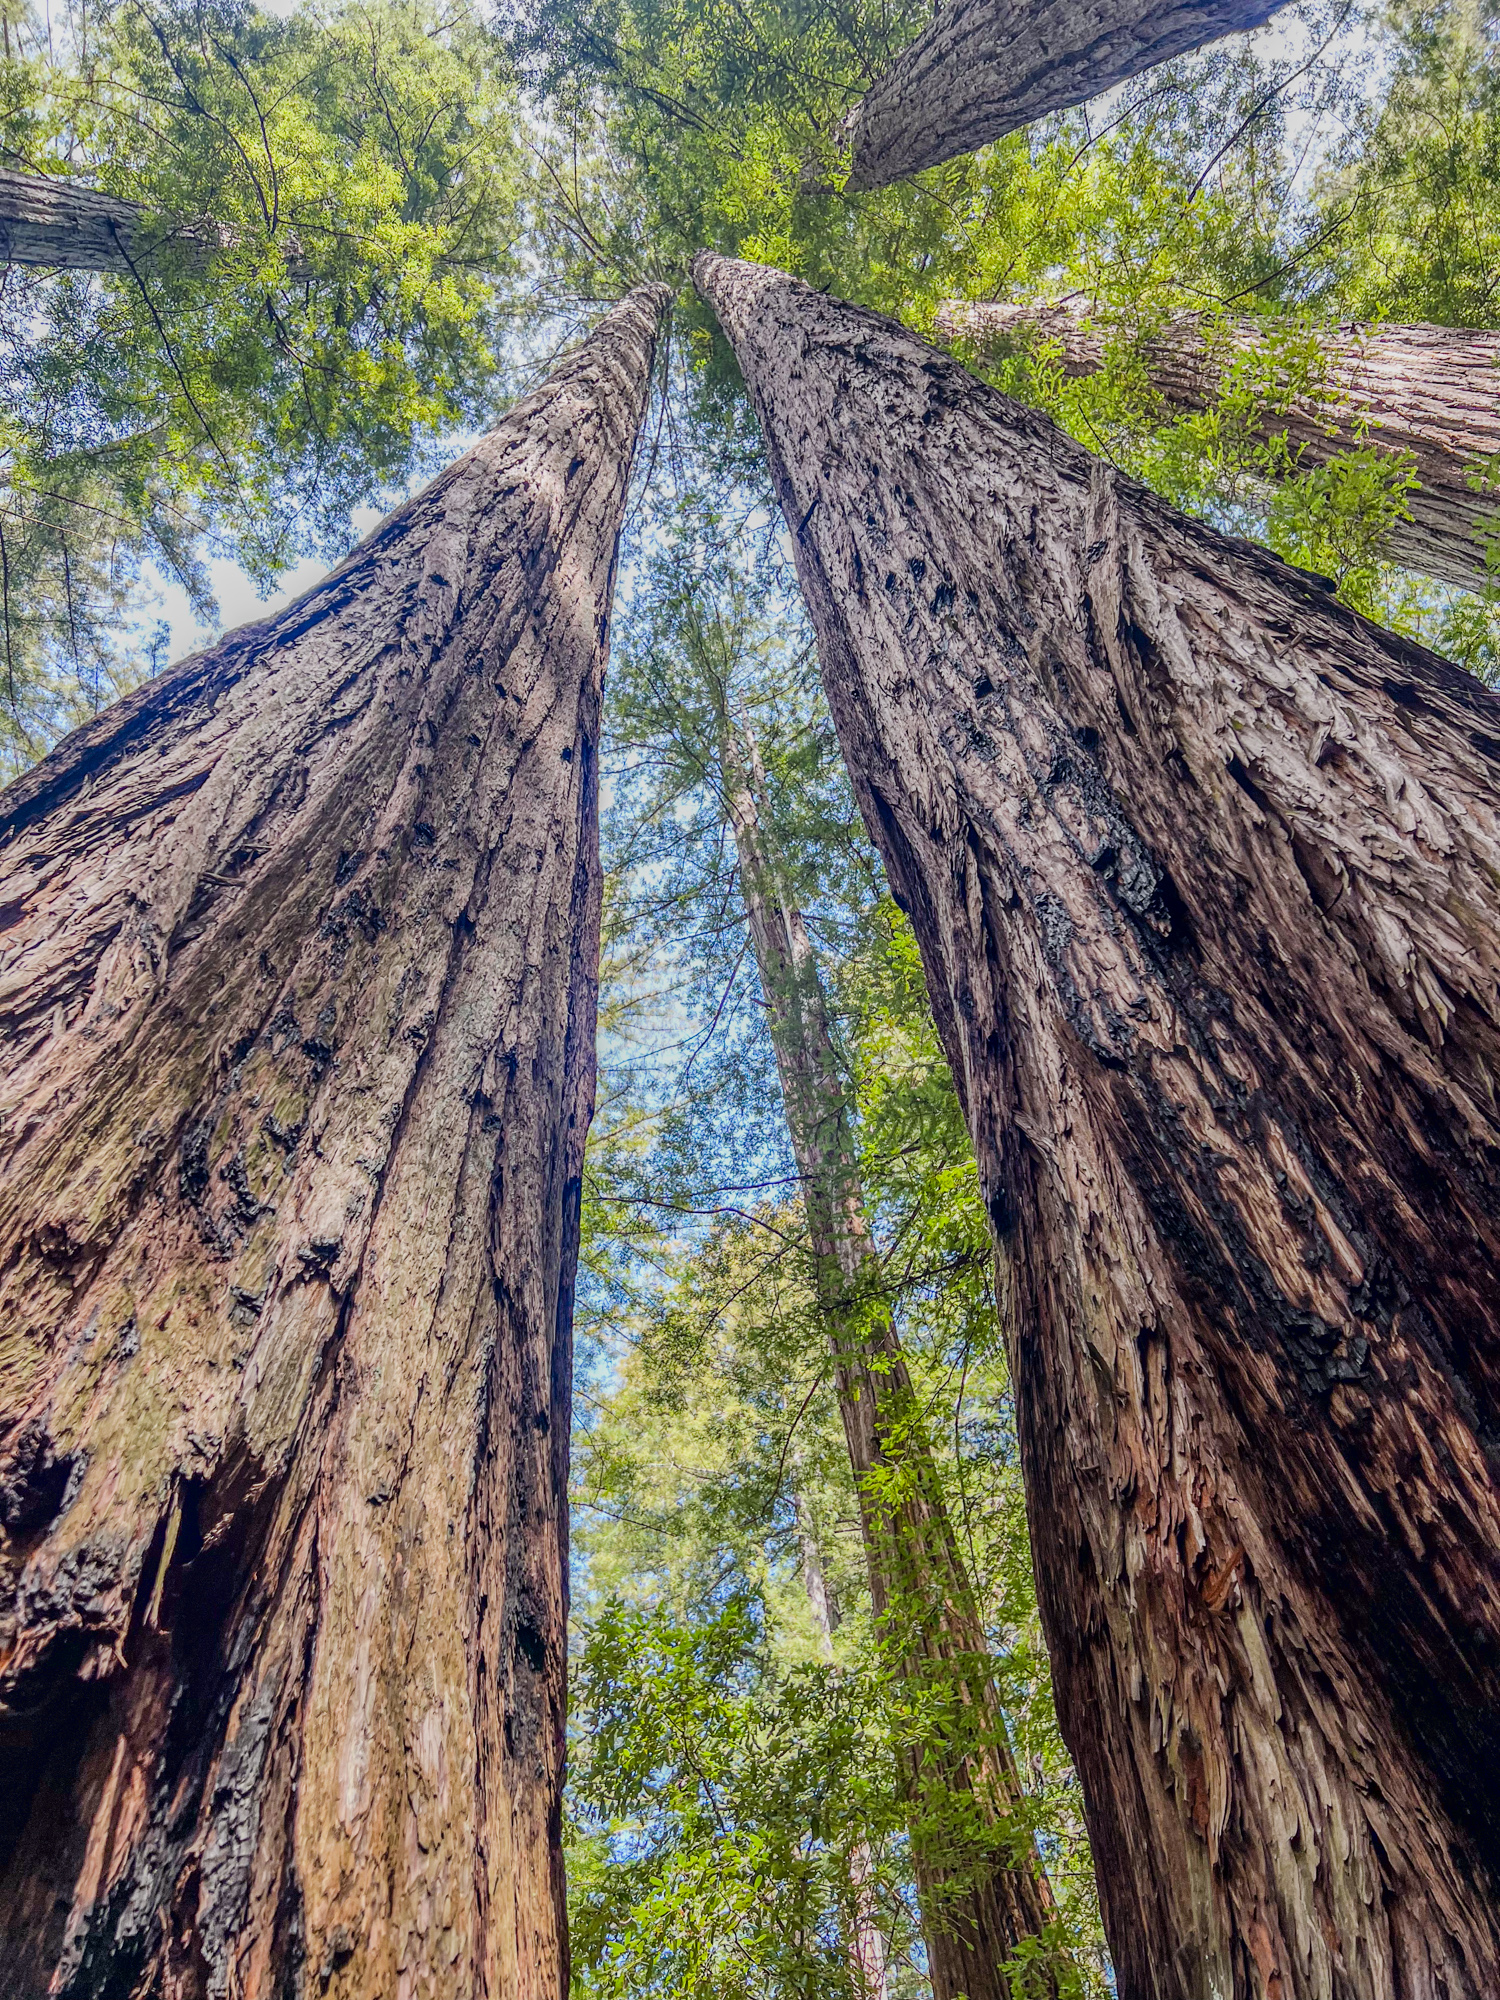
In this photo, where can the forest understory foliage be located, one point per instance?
(797, 1765)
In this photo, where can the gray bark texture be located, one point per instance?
(1430, 391)
(988, 67)
(977, 1906)
(59, 224)
(297, 994)
(1205, 872)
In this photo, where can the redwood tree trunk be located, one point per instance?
(59, 224)
(988, 67)
(983, 1890)
(1205, 871)
(1430, 391)
(297, 995)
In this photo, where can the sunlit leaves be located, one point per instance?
(712, 1468)
(358, 173)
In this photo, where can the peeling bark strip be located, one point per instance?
(1205, 872)
(978, 1907)
(297, 991)
(988, 67)
(58, 224)
(1432, 391)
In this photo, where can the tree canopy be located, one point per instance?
(363, 222)
(361, 171)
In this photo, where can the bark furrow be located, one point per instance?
(297, 992)
(1205, 871)
(1430, 393)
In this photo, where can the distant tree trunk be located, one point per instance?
(297, 997)
(988, 67)
(58, 224)
(976, 1911)
(822, 1605)
(1432, 391)
(866, 1940)
(1205, 870)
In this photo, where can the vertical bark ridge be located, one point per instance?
(297, 990)
(988, 67)
(976, 1909)
(1204, 870)
(1430, 392)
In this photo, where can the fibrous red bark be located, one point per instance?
(984, 1894)
(1429, 392)
(988, 67)
(1205, 872)
(297, 993)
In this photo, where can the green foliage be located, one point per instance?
(394, 226)
(710, 1461)
(1243, 464)
(719, 124)
(712, 1479)
(736, 1804)
(358, 170)
(1232, 463)
(1419, 172)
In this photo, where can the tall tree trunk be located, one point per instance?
(988, 67)
(1431, 391)
(977, 1908)
(1205, 872)
(58, 224)
(298, 1000)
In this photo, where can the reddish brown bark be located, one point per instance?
(297, 996)
(1205, 871)
(981, 1897)
(1431, 393)
(988, 67)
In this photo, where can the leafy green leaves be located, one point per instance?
(712, 1468)
(741, 1820)
(359, 174)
